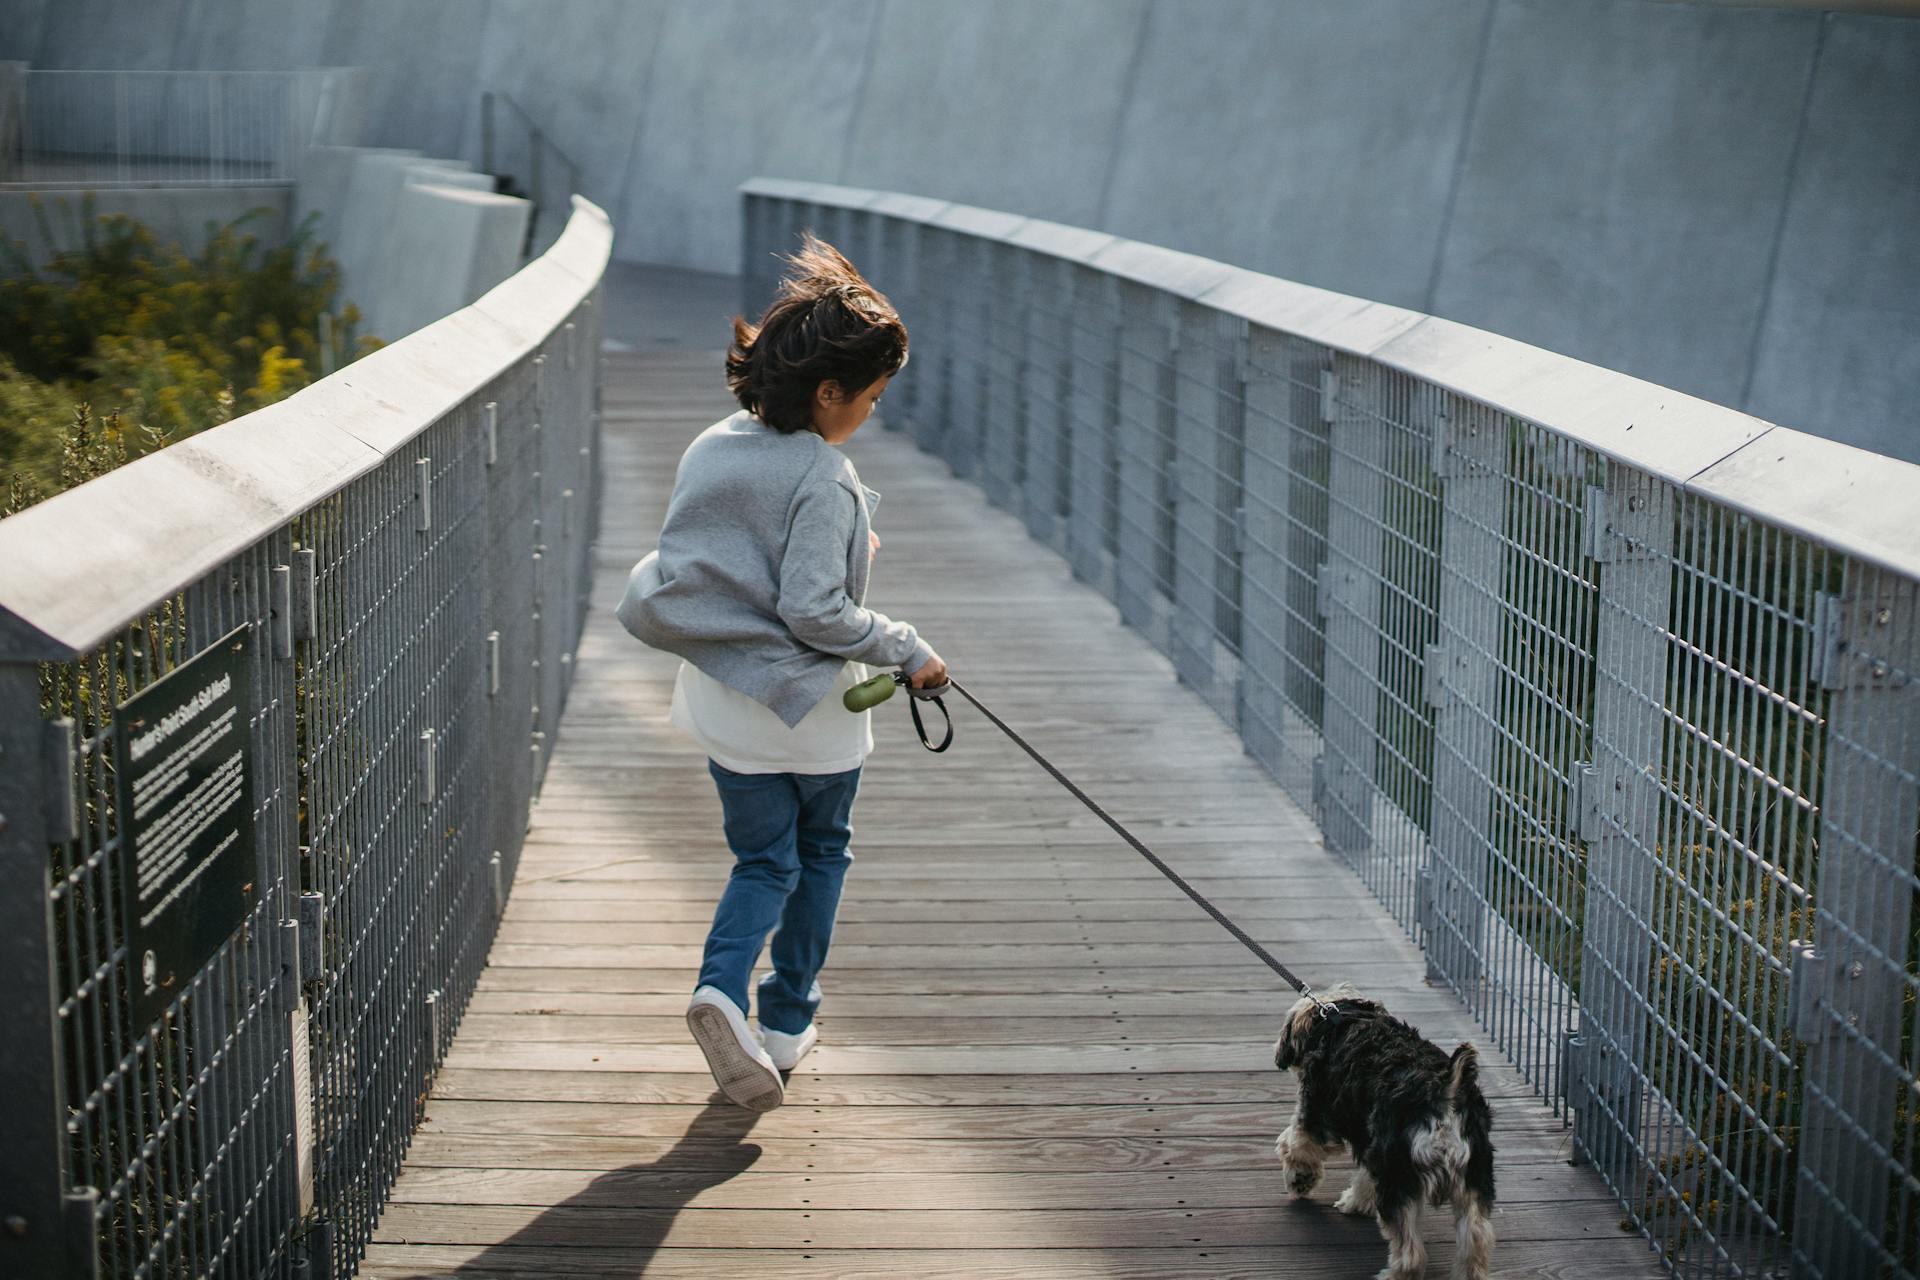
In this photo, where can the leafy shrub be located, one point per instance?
(126, 342)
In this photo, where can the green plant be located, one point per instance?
(144, 334)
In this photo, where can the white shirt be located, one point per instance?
(740, 734)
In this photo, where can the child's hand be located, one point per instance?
(873, 544)
(932, 672)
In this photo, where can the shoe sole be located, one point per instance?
(741, 1078)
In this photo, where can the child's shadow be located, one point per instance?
(625, 1214)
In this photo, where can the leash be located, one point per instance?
(872, 692)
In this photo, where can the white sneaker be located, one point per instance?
(787, 1050)
(740, 1066)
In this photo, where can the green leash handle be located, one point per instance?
(869, 693)
(874, 690)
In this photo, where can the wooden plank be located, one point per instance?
(1140, 1228)
(861, 910)
(924, 890)
(860, 933)
(650, 1187)
(1382, 974)
(1226, 955)
(920, 1089)
(1018, 1060)
(1596, 1258)
(1527, 1126)
(613, 1029)
(1262, 1007)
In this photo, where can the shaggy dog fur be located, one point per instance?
(1413, 1115)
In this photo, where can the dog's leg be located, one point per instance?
(1399, 1215)
(1473, 1235)
(1358, 1197)
(1303, 1155)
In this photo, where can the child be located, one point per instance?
(757, 585)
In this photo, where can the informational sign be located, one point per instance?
(182, 761)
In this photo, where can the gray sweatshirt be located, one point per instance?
(762, 568)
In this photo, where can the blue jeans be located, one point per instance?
(789, 835)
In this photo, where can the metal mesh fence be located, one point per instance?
(406, 643)
(1639, 770)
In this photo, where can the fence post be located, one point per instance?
(1000, 359)
(1469, 452)
(1630, 530)
(1037, 424)
(1864, 910)
(965, 345)
(932, 403)
(1092, 425)
(1209, 360)
(32, 1126)
(1146, 495)
(1274, 729)
(1348, 597)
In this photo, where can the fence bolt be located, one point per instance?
(427, 785)
(281, 588)
(291, 975)
(313, 924)
(303, 596)
(1856, 969)
(423, 491)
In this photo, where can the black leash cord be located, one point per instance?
(1265, 956)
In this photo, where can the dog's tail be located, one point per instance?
(1463, 1069)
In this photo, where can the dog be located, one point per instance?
(1413, 1116)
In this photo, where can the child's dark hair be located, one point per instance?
(826, 323)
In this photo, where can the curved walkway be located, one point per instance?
(1037, 1058)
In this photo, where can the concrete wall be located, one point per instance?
(416, 238)
(1718, 197)
(179, 214)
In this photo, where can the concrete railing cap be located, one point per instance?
(988, 224)
(1058, 240)
(1185, 275)
(1853, 500)
(1657, 429)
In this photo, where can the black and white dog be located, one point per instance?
(1413, 1116)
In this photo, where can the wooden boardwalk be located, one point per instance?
(1037, 1058)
